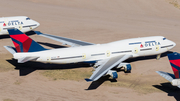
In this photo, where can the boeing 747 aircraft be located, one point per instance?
(105, 57)
(22, 23)
(174, 59)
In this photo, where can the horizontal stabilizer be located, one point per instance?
(11, 49)
(65, 41)
(167, 76)
(26, 59)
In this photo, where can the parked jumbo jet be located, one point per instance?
(105, 57)
(23, 23)
(174, 59)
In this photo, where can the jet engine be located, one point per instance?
(176, 82)
(113, 74)
(126, 66)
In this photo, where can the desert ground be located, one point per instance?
(95, 21)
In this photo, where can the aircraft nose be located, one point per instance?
(37, 23)
(174, 44)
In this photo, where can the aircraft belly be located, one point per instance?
(25, 29)
(2, 33)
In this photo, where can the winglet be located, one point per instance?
(88, 80)
(38, 32)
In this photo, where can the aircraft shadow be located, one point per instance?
(96, 84)
(29, 67)
(27, 33)
(169, 89)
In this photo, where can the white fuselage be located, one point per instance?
(175, 82)
(22, 23)
(136, 47)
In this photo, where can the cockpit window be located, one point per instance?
(164, 38)
(27, 18)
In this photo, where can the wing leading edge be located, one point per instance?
(65, 41)
(106, 66)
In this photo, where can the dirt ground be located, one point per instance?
(95, 21)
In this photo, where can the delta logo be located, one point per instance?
(147, 44)
(12, 23)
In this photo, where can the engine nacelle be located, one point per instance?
(113, 74)
(126, 66)
(176, 82)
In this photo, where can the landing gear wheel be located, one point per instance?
(91, 64)
(129, 71)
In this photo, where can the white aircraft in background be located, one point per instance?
(22, 23)
(105, 57)
(174, 59)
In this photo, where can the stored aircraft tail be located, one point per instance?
(23, 43)
(174, 59)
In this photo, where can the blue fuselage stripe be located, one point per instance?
(134, 43)
(149, 41)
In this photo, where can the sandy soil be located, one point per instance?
(95, 21)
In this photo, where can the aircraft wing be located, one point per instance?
(106, 66)
(65, 41)
(165, 75)
(26, 59)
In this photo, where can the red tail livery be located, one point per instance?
(174, 59)
(23, 43)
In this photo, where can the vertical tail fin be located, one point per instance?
(23, 43)
(174, 59)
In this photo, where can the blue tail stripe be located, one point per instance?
(14, 32)
(173, 65)
(35, 47)
(32, 45)
(174, 56)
